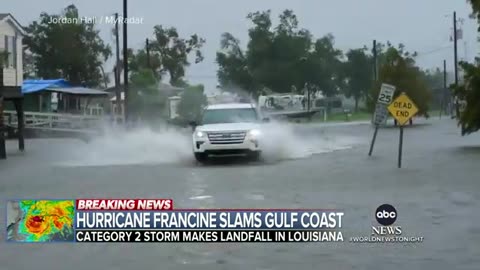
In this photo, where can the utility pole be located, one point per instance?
(125, 63)
(118, 90)
(444, 91)
(375, 55)
(455, 45)
(455, 64)
(147, 48)
(375, 78)
(307, 86)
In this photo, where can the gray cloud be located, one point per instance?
(420, 24)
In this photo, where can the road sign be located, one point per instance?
(403, 109)
(386, 94)
(381, 114)
(385, 97)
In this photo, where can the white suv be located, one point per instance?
(228, 129)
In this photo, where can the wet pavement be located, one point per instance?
(436, 194)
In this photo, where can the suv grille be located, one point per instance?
(232, 137)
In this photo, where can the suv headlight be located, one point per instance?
(199, 134)
(254, 133)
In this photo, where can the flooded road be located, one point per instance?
(436, 194)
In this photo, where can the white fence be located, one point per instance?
(56, 121)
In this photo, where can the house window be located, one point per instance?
(11, 49)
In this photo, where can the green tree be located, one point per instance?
(469, 90)
(469, 118)
(358, 72)
(139, 61)
(233, 70)
(169, 54)
(173, 51)
(28, 65)
(433, 78)
(279, 58)
(324, 72)
(73, 51)
(145, 100)
(192, 102)
(399, 69)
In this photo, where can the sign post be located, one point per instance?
(381, 113)
(402, 109)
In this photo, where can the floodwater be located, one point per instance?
(436, 194)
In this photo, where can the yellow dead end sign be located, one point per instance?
(403, 109)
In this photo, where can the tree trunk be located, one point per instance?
(118, 96)
(356, 104)
(104, 77)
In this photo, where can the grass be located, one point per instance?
(342, 117)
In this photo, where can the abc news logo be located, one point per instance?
(386, 215)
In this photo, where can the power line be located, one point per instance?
(419, 54)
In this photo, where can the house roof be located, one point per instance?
(78, 91)
(58, 85)
(31, 86)
(8, 17)
(161, 87)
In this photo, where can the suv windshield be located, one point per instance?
(218, 116)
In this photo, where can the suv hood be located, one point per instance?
(228, 127)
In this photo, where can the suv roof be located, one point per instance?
(230, 106)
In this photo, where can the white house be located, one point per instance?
(11, 73)
(11, 35)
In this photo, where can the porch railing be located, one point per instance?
(55, 120)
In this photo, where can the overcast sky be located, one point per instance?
(422, 25)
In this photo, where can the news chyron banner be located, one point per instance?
(155, 220)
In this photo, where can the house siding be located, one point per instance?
(6, 29)
(12, 76)
(9, 77)
(19, 59)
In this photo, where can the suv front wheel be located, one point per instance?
(201, 157)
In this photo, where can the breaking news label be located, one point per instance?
(155, 220)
